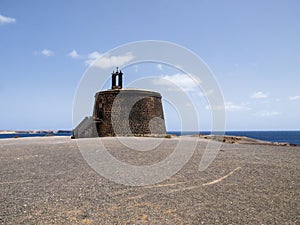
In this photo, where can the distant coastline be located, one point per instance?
(33, 131)
(292, 137)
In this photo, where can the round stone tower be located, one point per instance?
(128, 112)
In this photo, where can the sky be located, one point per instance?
(252, 48)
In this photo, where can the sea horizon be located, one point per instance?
(285, 136)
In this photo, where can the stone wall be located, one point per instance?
(85, 129)
(127, 112)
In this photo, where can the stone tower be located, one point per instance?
(124, 112)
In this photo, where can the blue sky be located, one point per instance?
(252, 47)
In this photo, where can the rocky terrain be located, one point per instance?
(243, 140)
(47, 181)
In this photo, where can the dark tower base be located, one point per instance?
(128, 112)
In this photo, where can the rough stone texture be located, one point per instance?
(128, 112)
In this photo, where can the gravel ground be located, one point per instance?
(47, 181)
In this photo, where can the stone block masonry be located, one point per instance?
(123, 112)
(127, 112)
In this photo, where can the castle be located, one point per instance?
(123, 112)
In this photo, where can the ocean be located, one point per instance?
(22, 135)
(273, 136)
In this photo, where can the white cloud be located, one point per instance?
(92, 57)
(296, 97)
(136, 68)
(205, 94)
(259, 94)
(265, 113)
(230, 107)
(184, 81)
(106, 61)
(159, 66)
(47, 52)
(73, 54)
(6, 20)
